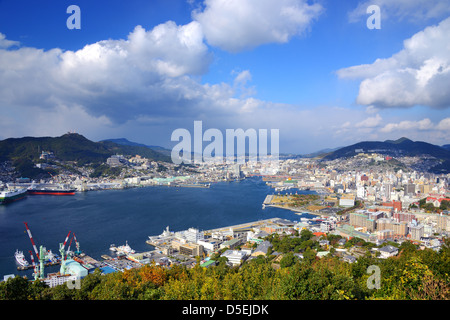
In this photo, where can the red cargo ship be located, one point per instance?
(51, 191)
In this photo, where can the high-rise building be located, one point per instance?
(387, 191)
(410, 189)
(403, 217)
(443, 222)
(417, 232)
(362, 219)
(398, 228)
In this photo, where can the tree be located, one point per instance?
(288, 260)
(15, 289)
(445, 205)
(309, 255)
(305, 235)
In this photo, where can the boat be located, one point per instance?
(20, 258)
(8, 196)
(56, 191)
(51, 257)
(125, 249)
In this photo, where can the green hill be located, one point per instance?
(396, 148)
(23, 152)
(126, 142)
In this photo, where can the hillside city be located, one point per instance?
(379, 200)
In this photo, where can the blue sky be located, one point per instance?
(312, 69)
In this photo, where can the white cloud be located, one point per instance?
(144, 73)
(243, 77)
(139, 82)
(410, 10)
(444, 125)
(424, 124)
(240, 84)
(417, 75)
(371, 109)
(370, 122)
(244, 24)
(4, 43)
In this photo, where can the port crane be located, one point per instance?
(77, 244)
(32, 241)
(35, 266)
(65, 254)
(41, 254)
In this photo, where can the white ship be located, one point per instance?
(7, 196)
(125, 249)
(51, 257)
(20, 258)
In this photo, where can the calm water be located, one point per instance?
(102, 218)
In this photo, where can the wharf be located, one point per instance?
(297, 211)
(30, 266)
(193, 185)
(243, 226)
(268, 199)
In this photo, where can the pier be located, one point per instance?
(30, 266)
(243, 226)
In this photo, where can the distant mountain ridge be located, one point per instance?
(395, 148)
(126, 142)
(24, 152)
(402, 146)
(71, 147)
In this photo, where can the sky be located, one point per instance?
(314, 70)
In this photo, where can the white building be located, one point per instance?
(54, 280)
(347, 200)
(360, 191)
(235, 257)
(209, 244)
(388, 251)
(194, 235)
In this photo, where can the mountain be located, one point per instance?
(400, 147)
(24, 152)
(320, 154)
(446, 146)
(126, 142)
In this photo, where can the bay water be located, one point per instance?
(101, 218)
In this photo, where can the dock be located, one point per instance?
(268, 199)
(194, 185)
(30, 266)
(243, 226)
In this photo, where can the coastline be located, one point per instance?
(297, 211)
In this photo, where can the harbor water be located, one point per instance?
(101, 218)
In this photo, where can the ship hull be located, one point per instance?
(11, 197)
(51, 192)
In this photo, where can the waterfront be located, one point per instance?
(102, 218)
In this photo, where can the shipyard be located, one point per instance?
(187, 247)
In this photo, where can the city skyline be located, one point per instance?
(313, 70)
